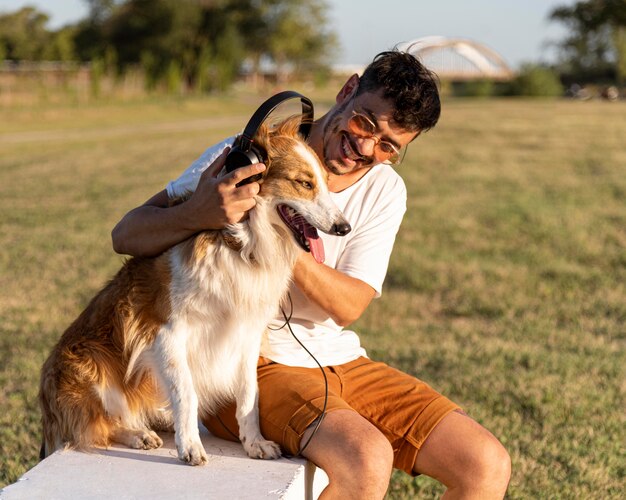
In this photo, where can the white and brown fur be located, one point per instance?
(171, 338)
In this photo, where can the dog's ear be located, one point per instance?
(289, 127)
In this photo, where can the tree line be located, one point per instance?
(594, 50)
(204, 43)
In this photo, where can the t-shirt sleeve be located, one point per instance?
(366, 255)
(188, 181)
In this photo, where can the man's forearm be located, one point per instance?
(154, 227)
(149, 230)
(344, 298)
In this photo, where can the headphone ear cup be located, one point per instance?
(238, 158)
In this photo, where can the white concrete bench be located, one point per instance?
(123, 473)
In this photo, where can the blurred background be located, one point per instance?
(506, 290)
(91, 49)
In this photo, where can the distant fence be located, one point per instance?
(52, 67)
(27, 82)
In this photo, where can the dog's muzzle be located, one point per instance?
(341, 229)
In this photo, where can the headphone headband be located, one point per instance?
(261, 114)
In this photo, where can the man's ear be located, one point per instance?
(348, 89)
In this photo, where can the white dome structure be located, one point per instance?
(458, 59)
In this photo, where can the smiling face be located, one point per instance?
(295, 181)
(345, 152)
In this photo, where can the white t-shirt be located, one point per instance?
(374, 206)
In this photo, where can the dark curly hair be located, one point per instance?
(408, 84)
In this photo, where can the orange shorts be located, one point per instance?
(402, 407)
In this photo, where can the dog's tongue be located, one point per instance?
(315, 243)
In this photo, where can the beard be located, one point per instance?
(332, 129)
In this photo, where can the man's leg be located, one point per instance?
(466, 458)
(459, 453)
(356, 457)
(428, 433)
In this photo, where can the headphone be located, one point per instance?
(245, 152)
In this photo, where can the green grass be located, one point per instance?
(506, 290)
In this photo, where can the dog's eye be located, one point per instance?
(305, 184)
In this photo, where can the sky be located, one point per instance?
(518, 30)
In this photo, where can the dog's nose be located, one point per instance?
(342, 228)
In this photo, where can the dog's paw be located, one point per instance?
(140, 439)
(261, 448)
(193, 453)
(146, 440)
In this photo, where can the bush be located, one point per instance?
(174, 78)
(475, 88)
(537, 81)
(97, 74)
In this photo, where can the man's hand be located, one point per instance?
(217, 202)
(154, 227)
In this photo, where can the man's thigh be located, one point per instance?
(402, 407)
(290, 400)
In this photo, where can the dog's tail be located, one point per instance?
(71, 418)
(51, 416)
(72, 413)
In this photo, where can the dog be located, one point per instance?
(171, 338)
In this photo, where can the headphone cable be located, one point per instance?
(320, 418)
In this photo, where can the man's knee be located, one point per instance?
(500, 462)
(368, 470)
(465, 457)
(356, 456)
(373, 461)
(492, 467)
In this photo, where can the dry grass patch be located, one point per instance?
(506, 289)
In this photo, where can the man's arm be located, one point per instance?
(343, 297)
(154, 227)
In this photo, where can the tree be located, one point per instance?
(89, 39)
(299, 36)
(208, 40)
(202, 42)
(536, 81)
(24, 37)
(596, 46)
(293, 34)
(23, 34)
(166, 29)
(62, 46)
(250, 19)
(101, 10)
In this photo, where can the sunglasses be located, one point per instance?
(384, 152)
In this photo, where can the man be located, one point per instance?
(377, 417)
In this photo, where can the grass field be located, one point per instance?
(506, 291)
